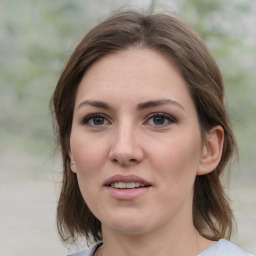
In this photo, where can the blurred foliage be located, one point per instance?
(228, 27)
(37, 37)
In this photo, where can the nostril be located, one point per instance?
(115, 161)
(124, 162)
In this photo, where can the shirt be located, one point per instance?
(221, 248)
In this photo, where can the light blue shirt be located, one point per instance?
(224, 248)
(221, 248)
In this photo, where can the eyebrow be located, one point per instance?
(141, 106)
(155, 103)
(95, 103)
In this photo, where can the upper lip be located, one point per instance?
(126, 178)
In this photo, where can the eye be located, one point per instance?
(160, 119)
(95, 120)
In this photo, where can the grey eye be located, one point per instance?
(95, 120)
(98, 120)
(159, 120)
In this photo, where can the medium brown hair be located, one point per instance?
(169, 36)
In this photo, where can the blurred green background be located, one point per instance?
(36, 39)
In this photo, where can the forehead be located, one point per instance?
(133, 74)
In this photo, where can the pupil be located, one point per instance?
(98, 121)
(159, 120)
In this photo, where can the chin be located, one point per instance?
(128, 226)
(130, 229)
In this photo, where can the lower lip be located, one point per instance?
(127, 194)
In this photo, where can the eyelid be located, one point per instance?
(163, 114)
(87, 118)
(169, 117)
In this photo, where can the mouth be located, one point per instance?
(127, 187)
(126, 182)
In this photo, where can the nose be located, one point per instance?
(125, 148)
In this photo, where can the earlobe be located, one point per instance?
(212, 150)
(73, 166)
(72, 163)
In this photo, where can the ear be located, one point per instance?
(212, 150)
(72, 163)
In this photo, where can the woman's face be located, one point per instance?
(136, 142)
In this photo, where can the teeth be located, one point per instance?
(124, 185)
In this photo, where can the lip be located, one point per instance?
(126, 178)
(127, 194)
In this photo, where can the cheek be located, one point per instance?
(178, 158)
(176, 162)
(89, 154)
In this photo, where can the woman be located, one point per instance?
(145, 137)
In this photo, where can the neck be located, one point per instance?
(182, 240)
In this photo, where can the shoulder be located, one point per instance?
(89, 252)
(224, 248)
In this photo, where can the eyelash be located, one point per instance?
(87, 119)
(170, 119)
(167, 117)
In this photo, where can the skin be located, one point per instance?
(167, 151)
